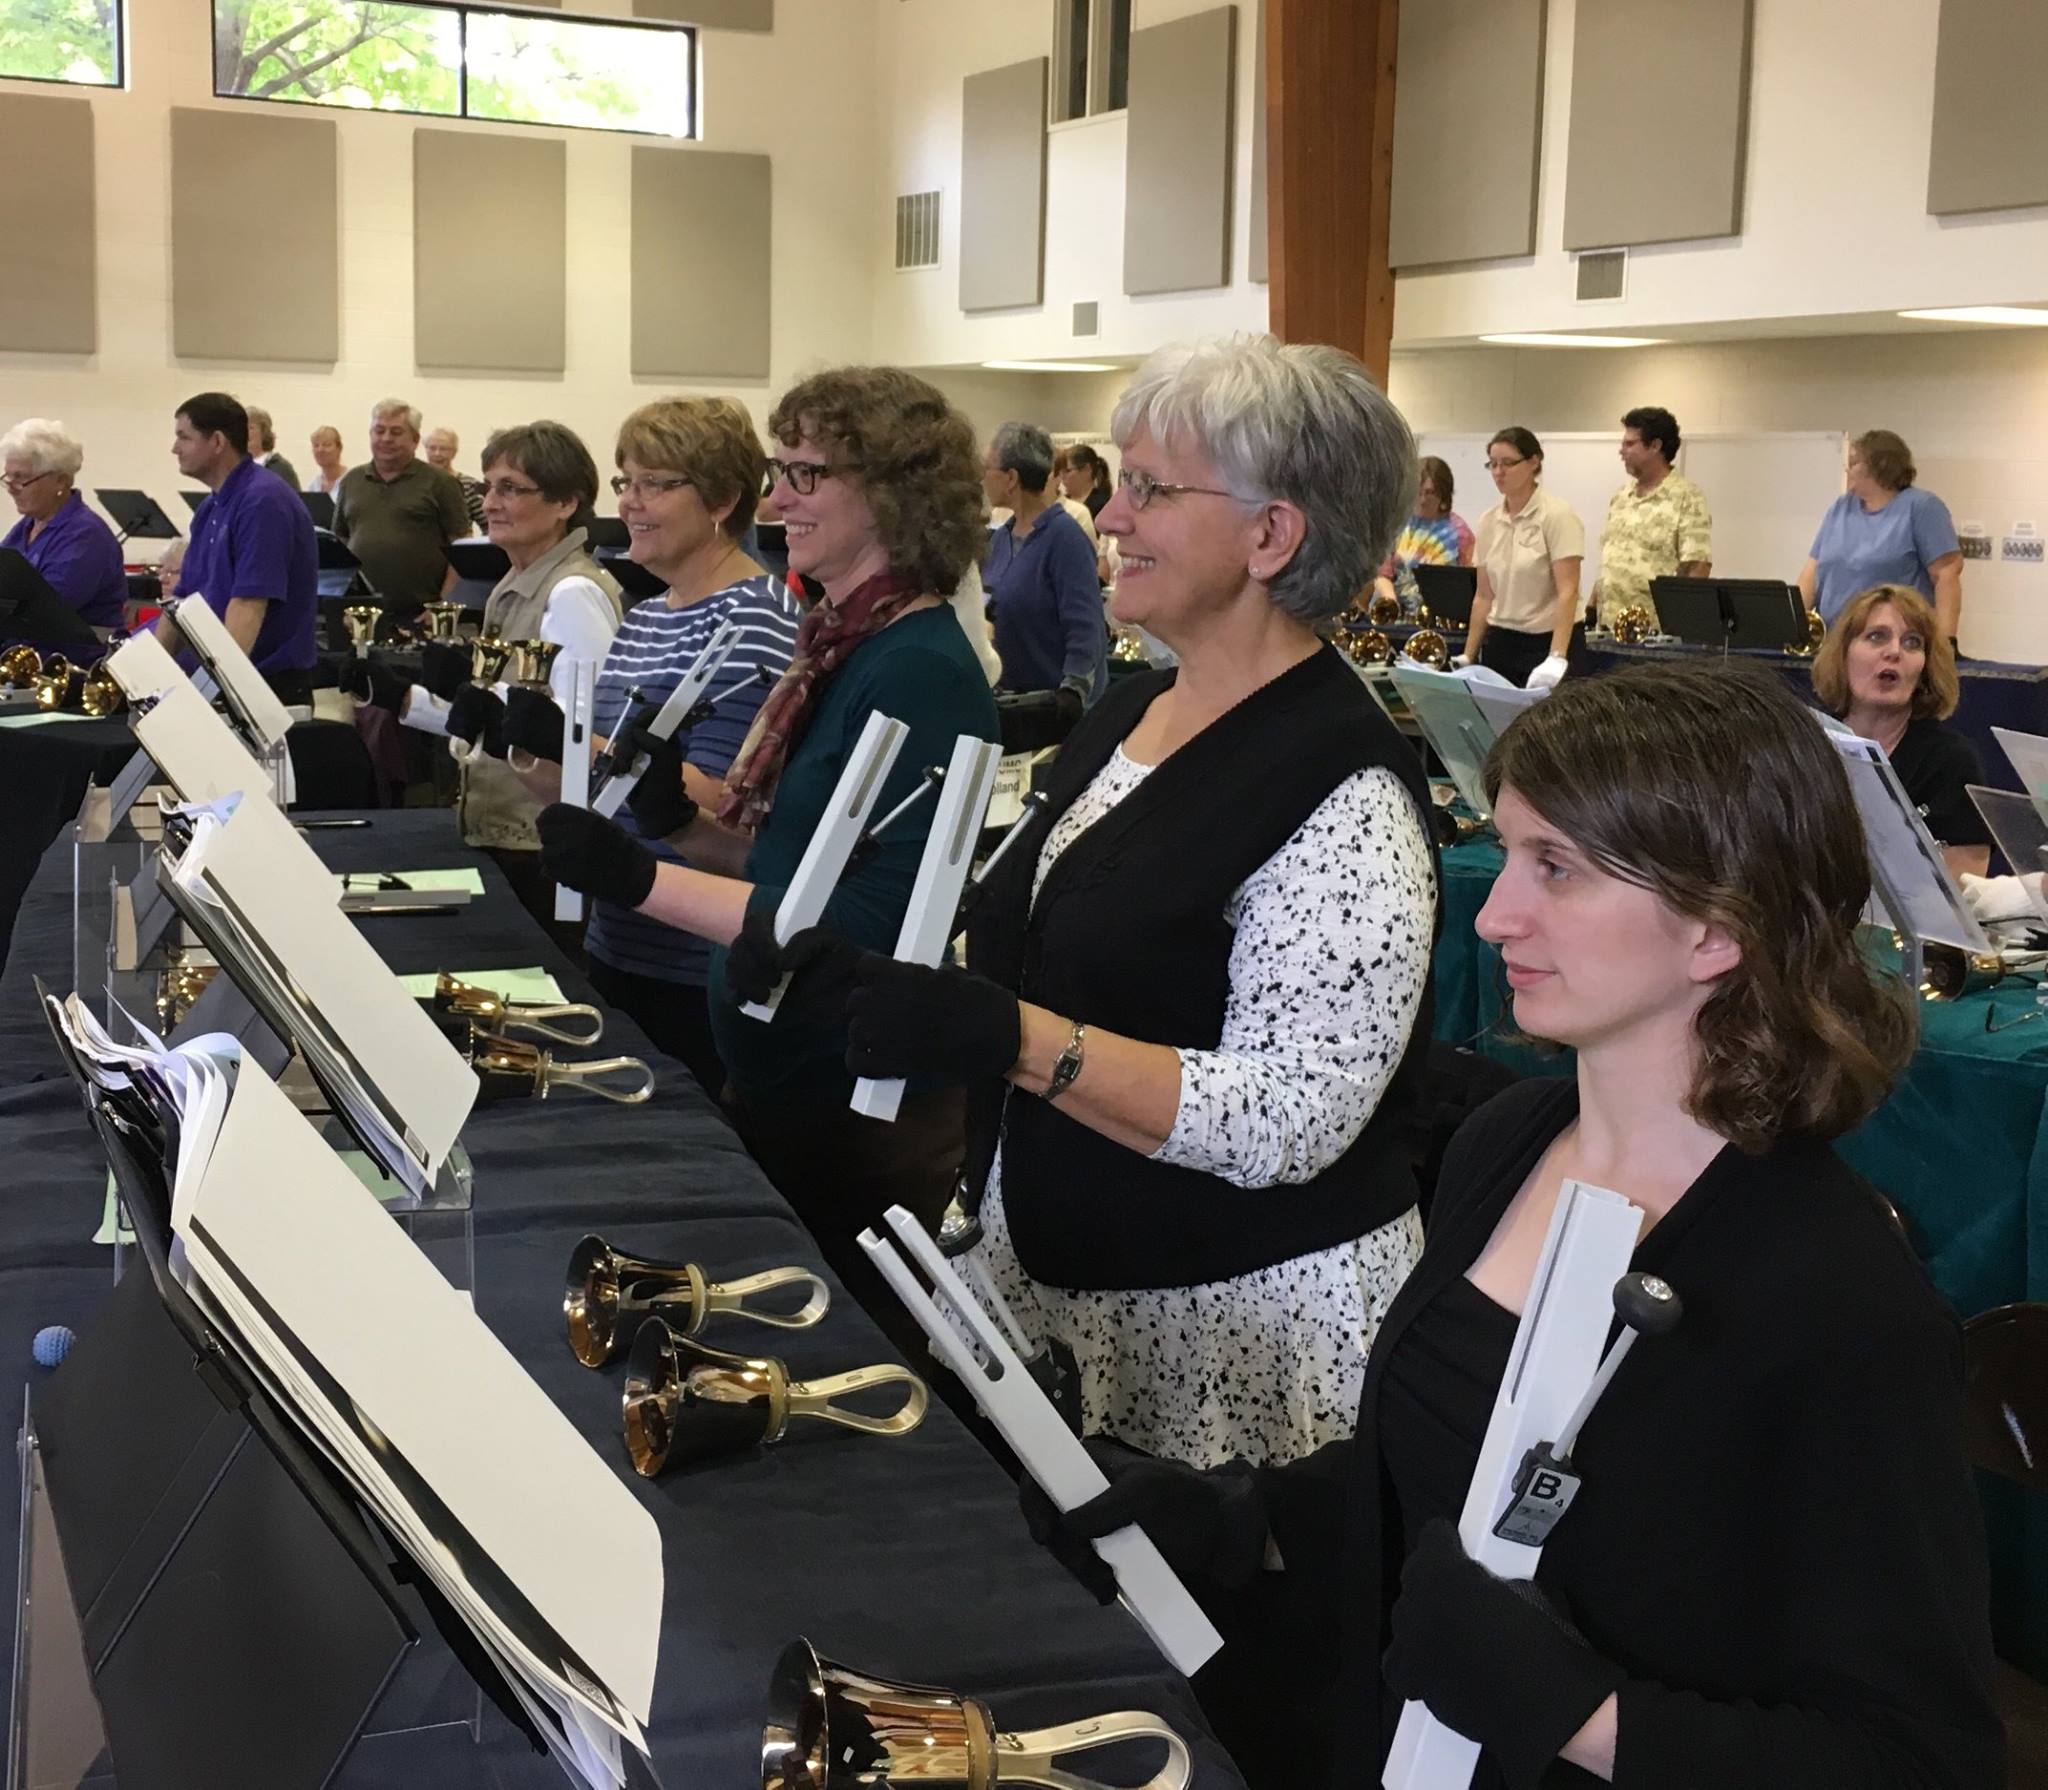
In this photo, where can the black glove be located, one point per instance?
(819, 963)
(1493, 1658)
(585, 851)
(659, 802)
(1210, 1525)
(444, 667)
(904, 1019)
(372, 681)
(1071, 701)
(533, 723)
(478, 717)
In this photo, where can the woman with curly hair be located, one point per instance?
(879, 484)
(1774, 1573)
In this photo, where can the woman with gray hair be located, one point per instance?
(1197, 1004)
(73, 549)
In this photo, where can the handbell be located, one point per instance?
(511, 1069)
(20, 666)
(361, 619)
(686, 1401)
(1428, 648)
(1384, 609)
(1816, 636)
(607, 1295)
(529, 661)
(54, 686)
(487, 655)
(1634, 624)
(494, 1013)
(101, 694)
(832, 1728)
(443, 620)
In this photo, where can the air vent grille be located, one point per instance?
(1602, 274)
(917, 230)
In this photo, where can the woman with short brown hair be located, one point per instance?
(1884, 530)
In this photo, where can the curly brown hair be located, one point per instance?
(1939, 690)
(1714, 788)
(912, 456)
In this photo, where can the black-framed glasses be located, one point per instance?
(505, 490)
(1142, 487)
(1503, 465)
(645, 486)
(803, 475)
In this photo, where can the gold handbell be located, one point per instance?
(361, 619)
(1816, 633)
(1947, 972)
(20, 666)
(1384, 610)
(101, 695)
(1634, 624)
(1428, 648)
(511, 1069)
(530, 661)
(54, 686)
(832, 1728)
(686, 1401)
(496, 1014)
(487, 655)
(607, 1295)
(443, 620)
(1127, 648)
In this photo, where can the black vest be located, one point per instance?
(1129, 934)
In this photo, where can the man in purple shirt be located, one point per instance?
(252, 558)
(70, 546)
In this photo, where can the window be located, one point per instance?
(61, 40)
(450, 60)
(1091, 58)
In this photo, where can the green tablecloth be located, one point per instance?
(1961, 1148)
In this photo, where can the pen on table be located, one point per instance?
(309, 826)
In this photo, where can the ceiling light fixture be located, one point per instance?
(1539, 339)
(1051, 366)
(2013, 316)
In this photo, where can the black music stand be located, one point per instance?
(1731, 613)
(137, 516)
(604, 531)
(31, 610)
(634, 578)
(1447, 592)
(1690, 608)
(320, 506)
(338, 573)
(193, 499)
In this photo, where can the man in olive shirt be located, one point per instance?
(397, 513)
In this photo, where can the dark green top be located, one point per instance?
(922, 672)
(399, 526)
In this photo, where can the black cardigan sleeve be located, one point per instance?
(1881, 1557)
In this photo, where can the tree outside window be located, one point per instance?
(61, 40)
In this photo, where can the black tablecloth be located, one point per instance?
(44, 772)
(904, 1557)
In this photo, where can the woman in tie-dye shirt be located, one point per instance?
(1433, 536)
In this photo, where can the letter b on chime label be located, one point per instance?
(1544, 1490)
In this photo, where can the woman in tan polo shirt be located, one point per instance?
(1529, 547)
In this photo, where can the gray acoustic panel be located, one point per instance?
(1002, 187)
(1990, 147)
(1177, 160)
(49, 301)
(255, 241)
(504, 308)
(1259, 151)
(702, 227)
(1679, 68)
(1468, 113)
(716, 15)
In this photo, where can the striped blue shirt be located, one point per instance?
(654, 647)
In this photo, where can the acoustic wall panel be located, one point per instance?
(1990, 148)
(1002, 187)
(702, 224)
(255, 243)
(718, 15)
(1177, 160)
(1468, 113)
(49, 302)
(1660, 118)
(1259, 226)
(500, 307)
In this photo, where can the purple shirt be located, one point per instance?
(253, 538)
(79, 559)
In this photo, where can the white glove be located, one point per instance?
(1995, 898)
(1459, 661)
(1546, 675)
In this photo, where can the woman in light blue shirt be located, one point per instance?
(1884, 530)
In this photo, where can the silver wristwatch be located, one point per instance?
(1066, 1067)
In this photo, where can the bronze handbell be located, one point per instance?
(494, 1013)
(487, 655)
(686, 1401)
(832, 1728)
(607, 1294)
(512, 1069)
(529, 661)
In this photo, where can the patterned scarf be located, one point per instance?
(832, 627)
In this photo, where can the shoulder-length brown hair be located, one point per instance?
(911, 453)
(1938, 691)
(1715, 789)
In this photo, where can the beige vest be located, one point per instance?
(497, 813)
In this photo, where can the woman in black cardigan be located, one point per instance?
(1774, 1577)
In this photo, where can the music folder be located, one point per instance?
(31, 610)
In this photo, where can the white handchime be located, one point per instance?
(579, 686)
(615, 782)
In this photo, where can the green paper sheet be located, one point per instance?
(512, 985)
(364, 882)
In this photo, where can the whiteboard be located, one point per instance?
(1767, 492)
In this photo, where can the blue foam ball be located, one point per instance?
(53, 1343)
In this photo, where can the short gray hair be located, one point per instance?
(46, 446)
(396, 407)
(1026, 450)
(1292, 422)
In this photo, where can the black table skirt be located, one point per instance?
(44, 772)
(904, 1557)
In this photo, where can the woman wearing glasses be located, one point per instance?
(73, 549)
(1525, 621)
(878, 485)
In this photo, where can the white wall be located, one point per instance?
(1834, 217)
(1972, 406)
(785, 91)
(924, 50)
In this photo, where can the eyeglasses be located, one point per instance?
(803, 475)
(644, 487)
(504, 490)
(17, 486)
(1142, 487)
(1503, 465)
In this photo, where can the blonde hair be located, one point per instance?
(1936, 694)
(709, 441)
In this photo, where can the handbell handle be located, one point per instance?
(813, 1398)
(1028, 1758)
(625, 1081)
(533, 1017)
(732, 1296)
